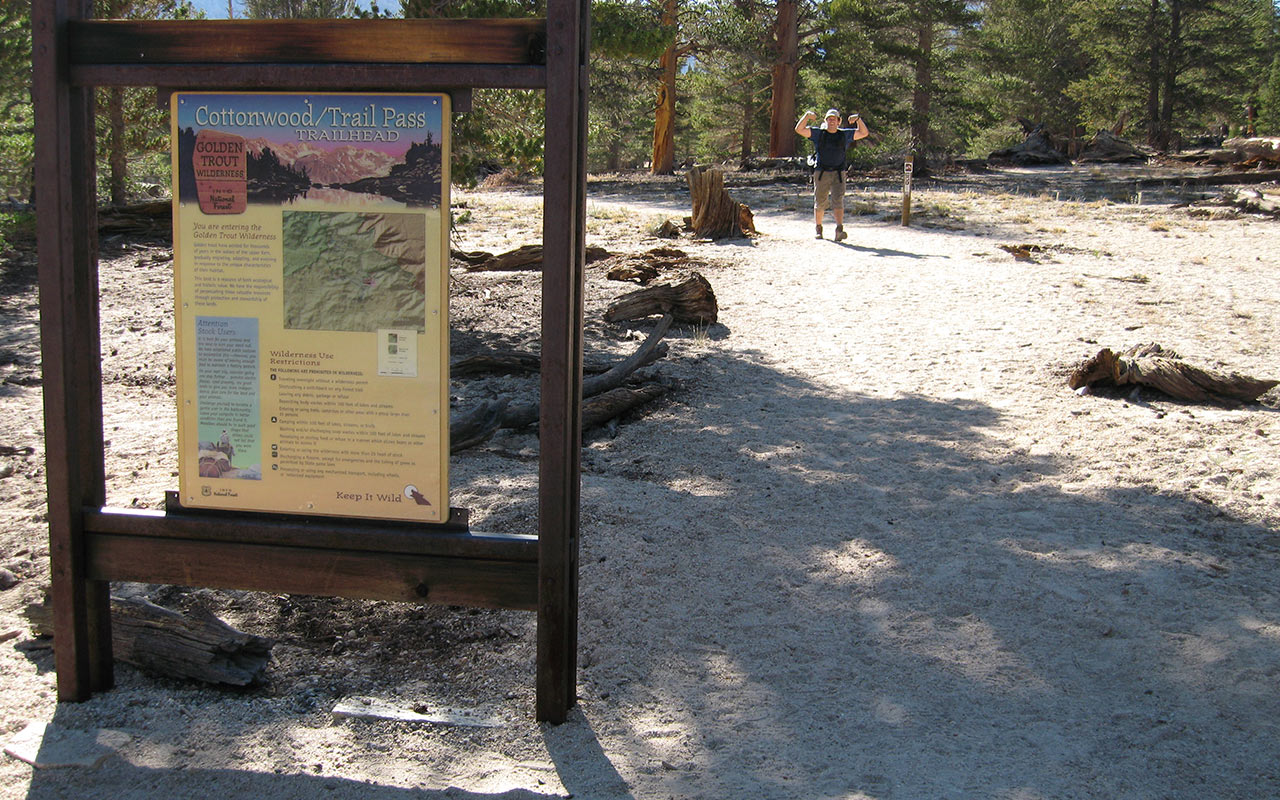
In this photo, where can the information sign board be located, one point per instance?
(310, 281)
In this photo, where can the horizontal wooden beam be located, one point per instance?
(401, 577)
(312, 532)
(312, 77)
(387, 41)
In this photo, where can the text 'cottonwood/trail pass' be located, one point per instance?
(310, 236)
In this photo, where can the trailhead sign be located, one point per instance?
(310, 281)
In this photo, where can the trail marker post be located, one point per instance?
(908, 166)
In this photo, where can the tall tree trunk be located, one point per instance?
(1153, 74)
(782, 137)
(116, 158)
(923, 93)
(1173, 54)
(614, 161)
(117, 162)
(664, 115)
(748, 107)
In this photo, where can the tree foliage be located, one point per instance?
(17, 132)
(1168, 66)
(945, 76)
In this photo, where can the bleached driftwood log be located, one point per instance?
(1159, 368)
(690, 301)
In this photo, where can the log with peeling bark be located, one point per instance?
(1156, 367)
(526, 257)
(483, 420)
(476, 425)
(598, 410)
(193, 646)
(716, 215)
(690, 301)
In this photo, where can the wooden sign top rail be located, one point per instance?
(385, 41)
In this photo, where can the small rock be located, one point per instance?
(7, 579)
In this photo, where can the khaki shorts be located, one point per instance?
(828, 189)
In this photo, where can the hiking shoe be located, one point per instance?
(819, 236)
(841, 235)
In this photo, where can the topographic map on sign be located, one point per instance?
(354, 271)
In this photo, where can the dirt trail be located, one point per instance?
(872, 547)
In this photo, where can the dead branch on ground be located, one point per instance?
(526, 257)
(1159, 368)
(483, 420)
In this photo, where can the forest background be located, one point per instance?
(677, 82)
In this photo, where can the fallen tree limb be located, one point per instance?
(476, 425)
(194, 646)
(482, 421)
(690, 301)
(1153, 366)
(603, 407)
(525, 257)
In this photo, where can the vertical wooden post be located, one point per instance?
(907, 167)
(560, 426)
(70, 344)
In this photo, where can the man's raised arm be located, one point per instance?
(802, 127)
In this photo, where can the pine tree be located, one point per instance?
(1269, 101)
(923, 40)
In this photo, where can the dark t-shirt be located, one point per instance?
(831, 147)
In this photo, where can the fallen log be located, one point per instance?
(485, 419)
(1255, 150)
(192, 646)
(1037, 149)
(690, 301)
(1106, 147)
(1159, 368)
(525, 257)
(518, 362)
(716, 215)
(598, 410)
(1253, 201)
(644, 268)
(476, 425)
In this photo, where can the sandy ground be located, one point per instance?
(871, 546)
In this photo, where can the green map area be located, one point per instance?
(353, 271)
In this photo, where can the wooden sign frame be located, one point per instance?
(90, 544)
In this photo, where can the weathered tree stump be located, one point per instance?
(196, 645)
(716, 215)
(690, 301)
(1154, 366)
